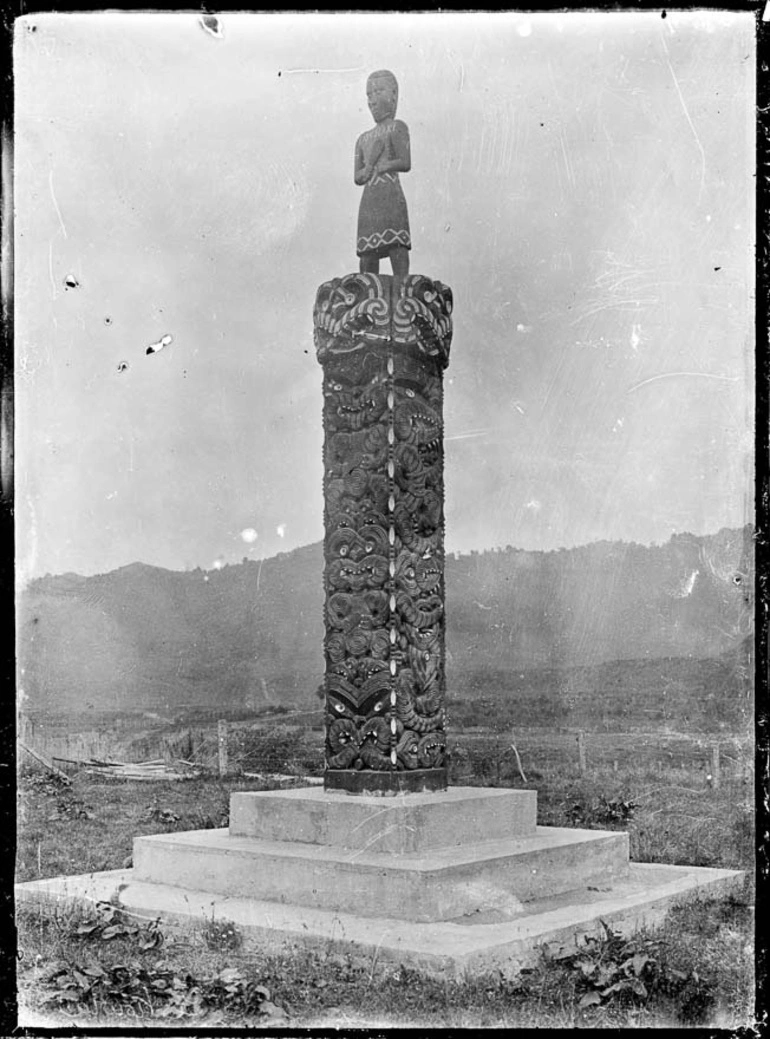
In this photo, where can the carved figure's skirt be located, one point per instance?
(382, 217)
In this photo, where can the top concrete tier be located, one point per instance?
(413, 314)
(408, 824)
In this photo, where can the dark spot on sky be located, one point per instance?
(717, 268)
(279, 73)
(662, 14)
(210, 23)
(71, 282)
(123, 366)
(542, 124)
(108, 320)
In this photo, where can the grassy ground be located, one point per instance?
(94, 968)
(696, 970)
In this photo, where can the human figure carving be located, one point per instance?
(381, 154)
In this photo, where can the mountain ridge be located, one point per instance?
(251, 632)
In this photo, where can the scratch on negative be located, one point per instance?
(669, 375)
(50, 269)
(371, 841)
(465, 436)
(376, 815)
(259, 572)
(56, 204)
(595, 307)
(290, 72)
(689, 120)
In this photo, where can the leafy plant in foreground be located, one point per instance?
(614, 969)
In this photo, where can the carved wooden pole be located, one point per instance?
(383, 348)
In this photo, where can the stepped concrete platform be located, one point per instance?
(471, 945)
(448, 881)
(433, 885)
(400, 825)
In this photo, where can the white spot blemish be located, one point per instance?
(635, 336)
(687, 586)
(281, 530)
(533, 505)
(249, 535)
(164, 340)
(218, 564)
(525, 29)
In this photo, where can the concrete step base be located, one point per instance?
(438, 884)
(399, 825)
(479, 943)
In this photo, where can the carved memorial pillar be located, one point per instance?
(383, 348)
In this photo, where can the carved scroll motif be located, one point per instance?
(383, 360)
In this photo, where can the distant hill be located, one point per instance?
(251, 634)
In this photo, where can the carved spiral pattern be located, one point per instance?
(383, 358)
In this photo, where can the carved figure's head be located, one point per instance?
(382, 95)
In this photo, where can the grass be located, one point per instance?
(696, 969)
(90, 825)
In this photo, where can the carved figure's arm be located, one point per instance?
(402, 156)
(361, 172)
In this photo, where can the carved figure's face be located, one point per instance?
(381, 97)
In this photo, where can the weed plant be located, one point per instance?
(98, 966)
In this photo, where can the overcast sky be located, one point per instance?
(584, 183)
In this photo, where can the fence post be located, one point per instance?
(222, 739)
(582, 752)
(715, 766)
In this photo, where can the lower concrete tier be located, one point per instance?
(477, 944)
(399, 825)
(440, 884)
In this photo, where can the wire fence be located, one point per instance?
(294, 746)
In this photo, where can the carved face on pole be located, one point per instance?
(382, 95)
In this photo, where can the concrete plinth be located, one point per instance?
(434, 885)
(397, 825)
(454, 881)
(472, 945)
